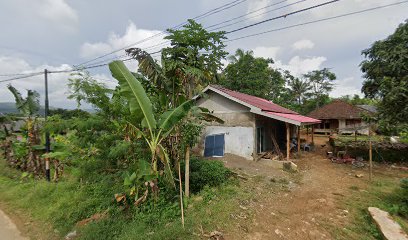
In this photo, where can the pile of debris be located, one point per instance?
(269, 155)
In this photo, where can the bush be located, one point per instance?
(398, 200)
(206, 173)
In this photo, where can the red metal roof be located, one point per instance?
(268, 107)
(295, 117)
(258, 102)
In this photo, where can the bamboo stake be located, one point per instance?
(181, 195)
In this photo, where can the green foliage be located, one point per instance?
(321, 82)
(68, 114)
(207, 173)
(195, 51)
(357, 100)
(252, 75)
(386, 77)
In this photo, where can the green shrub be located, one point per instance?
(207, 173)
(398, 200)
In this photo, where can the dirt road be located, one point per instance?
(8, 230)
(307, 208)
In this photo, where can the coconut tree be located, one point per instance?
(299, 89)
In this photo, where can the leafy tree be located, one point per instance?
(357, 100)
(188, 65)
(68, 114)
(252, 75)
(193, 58)
(385, 70)
(322, 84)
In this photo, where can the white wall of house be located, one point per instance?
(238, 140)
(238, 126)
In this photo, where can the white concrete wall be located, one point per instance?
(238, 140)
(342, 123)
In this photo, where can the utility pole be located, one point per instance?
(47, 134)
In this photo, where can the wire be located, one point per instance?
(17, 74)
(22, 77)
(254, 16)
(224, 7)
(319, 20)
(282, 16)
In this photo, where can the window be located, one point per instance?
(214, 145)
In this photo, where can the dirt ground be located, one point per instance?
(307, 205)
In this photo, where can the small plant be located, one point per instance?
(207, 173)
(138, 183)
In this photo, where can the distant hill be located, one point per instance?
(10, 107)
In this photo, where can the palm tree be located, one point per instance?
(299, 89)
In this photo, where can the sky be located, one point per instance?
(59, 34)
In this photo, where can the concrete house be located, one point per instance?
(341, 117)
(251, 124)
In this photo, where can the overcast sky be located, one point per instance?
(56, 34)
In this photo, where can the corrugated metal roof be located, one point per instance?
(369, 108)
(258, 102)
(295, 117)
(267, 108)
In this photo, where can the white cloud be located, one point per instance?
(116, 41)
(346, 86)
(58, 11)
(254, 5)
(303, 44)
(266, 52)
(57, 82)
(298, 66)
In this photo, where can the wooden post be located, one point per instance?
(307, 133)
(370, 154)
(181, 195)
(298, 139)
(313, 134)
(287, 141)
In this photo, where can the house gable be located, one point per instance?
(220, 104)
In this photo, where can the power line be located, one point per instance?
(319, 20)
(254, 16)
(17, 74)
(216, 10)
(22, 77)
(244, 15)
(282, 16)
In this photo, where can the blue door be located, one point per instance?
(214, 146)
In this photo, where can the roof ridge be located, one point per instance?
(265, 101)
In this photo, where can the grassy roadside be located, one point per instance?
(60, 206)
(384, 193)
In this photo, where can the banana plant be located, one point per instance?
(152, 130)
